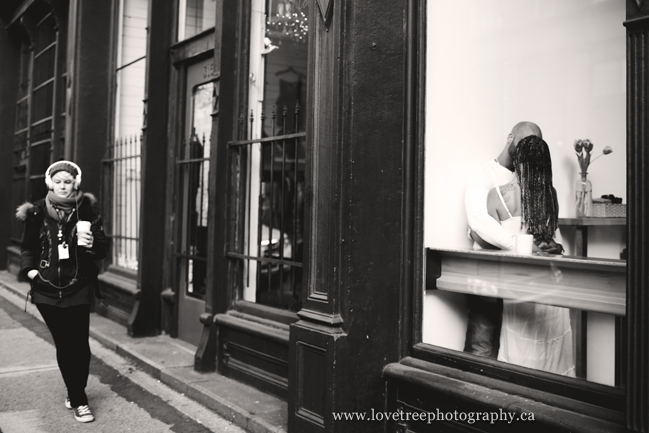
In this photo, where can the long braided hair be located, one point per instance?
(540, 208)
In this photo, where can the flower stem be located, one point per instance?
(594, 159)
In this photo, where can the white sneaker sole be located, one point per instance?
(85, 418)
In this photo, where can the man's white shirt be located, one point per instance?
(483, 179)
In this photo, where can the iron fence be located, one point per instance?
(121, 192)
(267, 209)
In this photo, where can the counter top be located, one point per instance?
(574, 282)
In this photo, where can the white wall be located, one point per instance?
(491, 64)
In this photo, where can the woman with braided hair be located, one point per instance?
(532, 335)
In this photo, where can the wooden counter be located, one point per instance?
(573, 282)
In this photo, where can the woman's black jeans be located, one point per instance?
(70, 329)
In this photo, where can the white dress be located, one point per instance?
(535, 335)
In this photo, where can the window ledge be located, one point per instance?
(123, 280)
(447, 386)
(252, 325)
(580, 283)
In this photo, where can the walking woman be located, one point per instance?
(62, 239)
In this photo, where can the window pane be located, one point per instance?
(121, 181)
(45, 34)
(134, 31)
(44, 66)
(39, 133)
(130, 96)
(20, 149)
(122, 177)
(194, 171)
(285, 48)
(197, 16)
(25, 57)
(274, 187)
(544, 313)
(39, 160)
(131, 69)
(42, 100)
(562, 66)
(22, 115)
(17, 198)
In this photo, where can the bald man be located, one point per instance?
(485, 231)
(485, 314)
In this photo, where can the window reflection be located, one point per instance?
(285, 56)
(273, 155)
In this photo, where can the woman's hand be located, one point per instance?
(548, 246)
(481, 242)
(32, 274)
(85, 239)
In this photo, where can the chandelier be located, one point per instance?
(287, 19)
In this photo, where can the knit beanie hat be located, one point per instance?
(63, 166)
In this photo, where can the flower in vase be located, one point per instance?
(583, 149)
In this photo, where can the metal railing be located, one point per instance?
(267, 177)
(121, 192)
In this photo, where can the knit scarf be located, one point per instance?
(63, 204)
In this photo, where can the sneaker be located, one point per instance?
(67, 404)
(83, 413)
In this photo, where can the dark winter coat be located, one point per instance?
(61, 282)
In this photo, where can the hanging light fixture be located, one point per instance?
(288, 20)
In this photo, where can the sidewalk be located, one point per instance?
(171, 361)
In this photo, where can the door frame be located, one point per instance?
(196, 73)
(182, 55)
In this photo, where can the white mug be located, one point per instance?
(524, 243)
(82, 227)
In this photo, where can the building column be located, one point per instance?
(637, 347)
(145, 317)
(89, 73)
(205, 358)
(349, 327)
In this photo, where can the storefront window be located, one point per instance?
(41, 102)
(122, 174)
(21, 138)
(37, 124)
(271, 153)
(561, 66)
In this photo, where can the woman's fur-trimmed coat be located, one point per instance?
(40, 248)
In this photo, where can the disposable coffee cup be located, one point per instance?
(82, 227)
(524, 244)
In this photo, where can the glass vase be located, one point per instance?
(584, 196)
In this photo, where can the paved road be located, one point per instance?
(122, 398)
